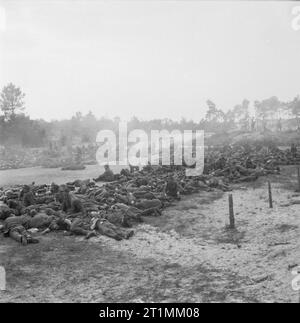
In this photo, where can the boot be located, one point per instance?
(24, 241)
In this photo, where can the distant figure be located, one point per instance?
(107, 176)
(249, 163)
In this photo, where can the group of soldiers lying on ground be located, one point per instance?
(87, 209)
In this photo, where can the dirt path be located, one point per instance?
(186, 255)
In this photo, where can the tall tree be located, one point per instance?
(241, 114)
(213, 114)
(268, 109)
(11, 101)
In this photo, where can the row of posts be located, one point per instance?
(230, 200)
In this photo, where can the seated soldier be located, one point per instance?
(133, 169)
(28, 197)
(171, 188)
(126, 173)
(220, 163)
(250, 163)
(69, 201)
(107, 176)
(54, 188)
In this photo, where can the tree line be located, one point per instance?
(16, 128)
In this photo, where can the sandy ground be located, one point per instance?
(41, 175)
(186, 255)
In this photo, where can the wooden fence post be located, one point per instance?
(270, 195)
(298, 177)
(231, 213)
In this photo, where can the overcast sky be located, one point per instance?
(152, 59)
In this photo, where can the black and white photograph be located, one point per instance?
(149, 154)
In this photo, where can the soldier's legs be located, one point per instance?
(77, 230)
(16, 235)
(108, 230)
(124, 234)
(154, 210)
(20, 235)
